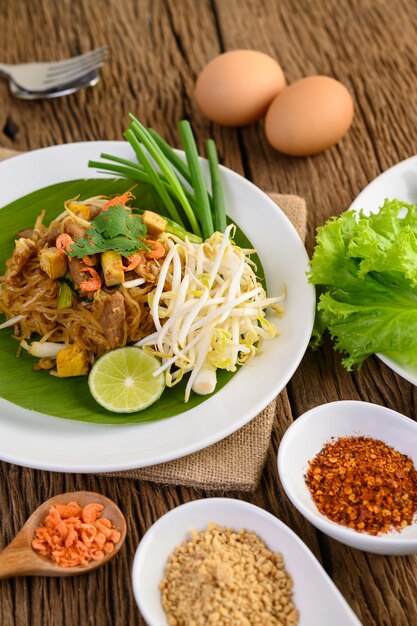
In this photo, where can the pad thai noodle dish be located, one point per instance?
(103, 275)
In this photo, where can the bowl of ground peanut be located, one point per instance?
(227, 562)
(350, 468)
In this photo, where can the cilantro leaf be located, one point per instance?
(85, 246)
(117, 220)
(116, 229)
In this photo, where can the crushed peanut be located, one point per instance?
(228, 578)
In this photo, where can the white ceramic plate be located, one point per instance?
(398, 182)
(316, 597)
(36, 440)
(307, 436)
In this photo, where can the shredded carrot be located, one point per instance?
(125, 197)
(72, 535)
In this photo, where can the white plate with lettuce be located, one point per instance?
(365, 265)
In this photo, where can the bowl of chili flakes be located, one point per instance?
(350, 468)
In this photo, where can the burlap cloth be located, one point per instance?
(236, 462)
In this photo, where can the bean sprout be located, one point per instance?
(209, 311)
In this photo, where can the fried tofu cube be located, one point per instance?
(155, 224)
(72, 361)
(112, 265)
(52, 262)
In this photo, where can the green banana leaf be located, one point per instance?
(69, 398)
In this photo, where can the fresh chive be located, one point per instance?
(162, 162)
(171, 155)
(217, 192)
(197, 179)
(175, 229)
(64, 296)
(135, 172)
(161, 167)
(175, 159)
(177, 162)
(116, 159)
(127, 163)
(153, 176)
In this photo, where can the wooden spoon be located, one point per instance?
(19, 558)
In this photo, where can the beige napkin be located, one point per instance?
(236, 462)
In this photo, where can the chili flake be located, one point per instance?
(364, 484)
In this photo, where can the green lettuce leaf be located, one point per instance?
(365, 268)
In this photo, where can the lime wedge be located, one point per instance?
(122, 380)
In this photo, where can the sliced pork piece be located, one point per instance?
(26, 233)
(74, 230)
(49, 237)
(112, 319)
(77, 277)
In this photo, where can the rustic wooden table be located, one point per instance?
(157, 49)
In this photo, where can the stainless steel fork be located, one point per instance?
(89, 80)
(45, 77)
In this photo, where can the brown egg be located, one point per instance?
(236, 87)
(309, 116)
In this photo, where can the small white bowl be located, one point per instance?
(318, 600)
(306, 437)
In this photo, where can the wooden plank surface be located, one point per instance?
(157, 49)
